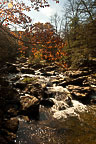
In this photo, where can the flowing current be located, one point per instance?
(75, 128)
(58, 125)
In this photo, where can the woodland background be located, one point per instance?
(69, 39)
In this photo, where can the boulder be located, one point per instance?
(19, 84)
(35, 89)
(47, 102)
(7, 137)
(30, 106)
(12, 68)
(11, 124)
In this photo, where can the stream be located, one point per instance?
(48, 130)
(73, 125)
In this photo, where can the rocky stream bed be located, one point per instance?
(45, 104)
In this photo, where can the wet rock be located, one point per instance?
(12, 68)
(92, 81)
(51, 73)
(1, 117)
(59, 105)
(35, 89)
(51, 68)
(11, 124)
(57, 80)
(93, 101)
(93, 98)
(7, 136)
(80, 91)
(9, 102)
(3, 140)
(37, 66)
(47, 102)
(15, 78)
(76, 74)
(27, 71)
(13, 111)
(9, 95)
(30, 106)
(19, 84)
(22, 59)
(77, 81)
(3, 83)
(25, 118)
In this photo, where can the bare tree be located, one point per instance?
(58, 23)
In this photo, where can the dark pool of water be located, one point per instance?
(48, 130)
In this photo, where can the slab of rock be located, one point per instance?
(27, 70)
(76, 74)
(30, 106)
(76, 81)
(80, 91)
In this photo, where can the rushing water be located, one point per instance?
(47, 130)
(74, 125)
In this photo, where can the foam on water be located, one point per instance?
(61, 110)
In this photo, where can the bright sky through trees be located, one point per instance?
(45, 13)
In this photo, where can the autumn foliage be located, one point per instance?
(40, 40)
(13, 12)
(42, 43)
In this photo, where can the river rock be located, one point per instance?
(47, 102)
(77, 81)
(80, 91)
(27, 70)
(12, 68)
(3, 140)
(22, 59)
(37, 66)
(30, 106)
(11, 124)
(59, 105)
(51, 68)
(76, 74)
(92, 81)
(9, 136)
(51, 73)
(20, 84)
(35, 89)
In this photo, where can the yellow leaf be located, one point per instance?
(10, 5)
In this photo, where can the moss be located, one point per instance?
(29, 79)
